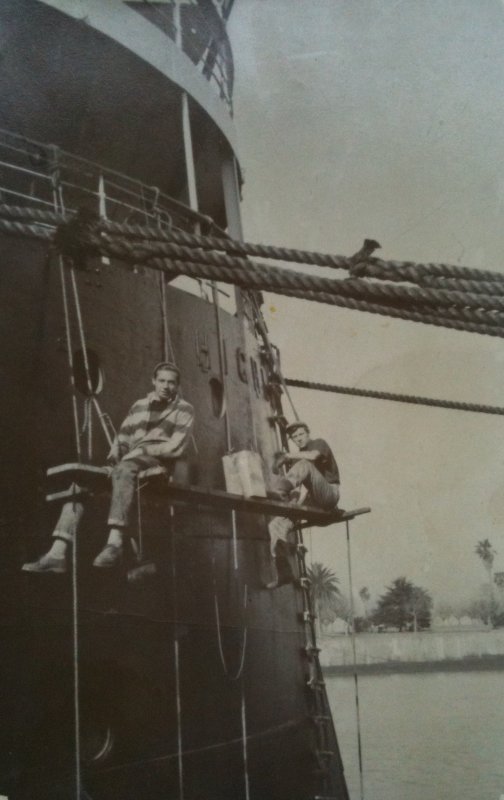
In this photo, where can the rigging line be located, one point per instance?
(292, 284)
(219, 637)
(219, 641)
(399, 398)
(68, 334)
(80, 328)
(176, 656)
(244, 742)
(168, 354)
(75, 630)
(354, 655)
(274, 361)
(232, 246)
(83, 344)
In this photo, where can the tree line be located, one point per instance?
(404, 606)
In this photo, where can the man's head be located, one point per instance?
(165, 380)
(299, 432)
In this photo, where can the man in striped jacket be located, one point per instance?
(154, 433)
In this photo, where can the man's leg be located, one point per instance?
(64, 534)
(124, 485)
(324, 495)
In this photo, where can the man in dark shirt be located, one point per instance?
(314, 466)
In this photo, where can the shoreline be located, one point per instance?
(467, 664)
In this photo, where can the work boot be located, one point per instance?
(109, 557)
(282, 490)
(46, 563)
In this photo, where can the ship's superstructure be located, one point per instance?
(195, 682)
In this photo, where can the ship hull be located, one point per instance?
(192, 680)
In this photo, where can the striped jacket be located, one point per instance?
(162, 433)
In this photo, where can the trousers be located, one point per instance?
(321, 493)
(124, 478)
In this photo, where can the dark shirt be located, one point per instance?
(325, 463)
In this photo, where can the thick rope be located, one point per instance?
(459, 310)
(356, 288)
(399, 398)
(409, 269)
(255, 280)
(410, 275)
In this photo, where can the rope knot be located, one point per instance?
(359, 260)
(77, 239)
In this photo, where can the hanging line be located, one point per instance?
(399, 398)
(235, 677)
(176, 657)
(275, 362)
(219, 638)
(244, 742)
(68, 336)
(75, 634)
(87, 425)
(354, 653)
(59, 204)
(82, 338)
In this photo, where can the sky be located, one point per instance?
(385, 120)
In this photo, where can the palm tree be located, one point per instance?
(486, 552)
(324, 590)
(365, 597)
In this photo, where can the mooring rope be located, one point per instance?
(459, 305)
(400, 398)
(405, 269)
(270, 277)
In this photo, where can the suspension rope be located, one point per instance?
(400, 398)
(75, 634)
(354, 657)
(219, 638)
(68, 336)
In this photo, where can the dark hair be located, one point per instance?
(294, 426)
(167, 365)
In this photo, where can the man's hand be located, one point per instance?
(114, 455)
(279, 459)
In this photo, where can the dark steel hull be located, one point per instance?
(192, 682)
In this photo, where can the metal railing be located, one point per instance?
(198, 28)
(31, 172)
(42, 176)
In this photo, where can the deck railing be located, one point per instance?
(44, 176)
(198, 28)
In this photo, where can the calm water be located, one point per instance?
(434, 736)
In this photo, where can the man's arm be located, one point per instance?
(302, 455)
(173, 447)
(120, 445)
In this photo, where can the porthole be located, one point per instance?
(95, 384)
(218, 397)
